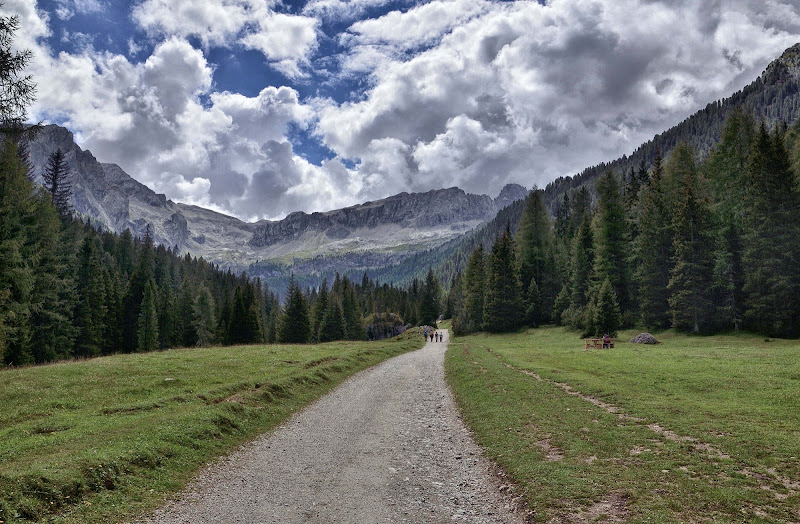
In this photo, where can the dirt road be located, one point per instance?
(385, 446)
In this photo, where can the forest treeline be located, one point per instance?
(702, 246)
(69, 290)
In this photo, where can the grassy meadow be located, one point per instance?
(697, 429)
(105, 439)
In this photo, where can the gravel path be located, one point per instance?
(385, 446)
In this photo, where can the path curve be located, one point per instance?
(387, 445)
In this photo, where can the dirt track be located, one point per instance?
(385, 446)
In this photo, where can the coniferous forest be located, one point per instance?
(703, 247)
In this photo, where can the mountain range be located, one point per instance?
(362, 237)
(394, 239)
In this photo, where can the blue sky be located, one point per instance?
(257, 108)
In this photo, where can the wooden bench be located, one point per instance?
(597, 343)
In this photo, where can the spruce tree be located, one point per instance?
(17, 278)
(57, 182)
(606, 311)
(582, 264)
(430, 300)
(295, 325)
(503, 307)
(204, 319)
(654, 252)
(132, 303)
(771, 240)
(332, 327)
(690, 277)
(611, 246)
(535, 248)
(353, 320)
(533, 311)
(147, 334)
(91, 315)
(474, 284)
(318, 310)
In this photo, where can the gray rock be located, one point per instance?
(644, 338)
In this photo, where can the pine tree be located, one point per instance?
(611, 239)
(90, 311)
(57, 182)
(474, 284)
(728, 279)
(690, 277)
(52, 297)
(430, 300)
(17, 92)
(318, 310)
(295, 325)
(17, 278)
(132, 303)
(654, 252)
(535, 248)
(147, 334)
(353, 320)
(204, 320)
(503, 307)
(533, 312)
(606, 311)
(771, 240)
(332, 327)
(582, 264)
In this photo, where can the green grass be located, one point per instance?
(106, 439)
(738, 394)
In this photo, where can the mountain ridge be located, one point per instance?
(406, 222)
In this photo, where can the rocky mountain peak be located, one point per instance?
(510, 193)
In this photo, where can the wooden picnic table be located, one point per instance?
(597, 343)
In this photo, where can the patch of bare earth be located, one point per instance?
(612, 508)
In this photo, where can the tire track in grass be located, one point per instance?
(780, 487)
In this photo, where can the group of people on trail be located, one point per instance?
(435, 336)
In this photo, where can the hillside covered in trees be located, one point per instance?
(700, 245)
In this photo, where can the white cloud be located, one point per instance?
(214, 22)
(286, 40)
(342, 10)
(527, 92)
(417, 26)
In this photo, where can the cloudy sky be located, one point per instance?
(262, 107)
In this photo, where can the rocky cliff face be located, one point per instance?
(444, 208)
(403, 223)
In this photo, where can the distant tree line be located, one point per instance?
(700, 246)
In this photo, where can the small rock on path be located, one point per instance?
(387, 445)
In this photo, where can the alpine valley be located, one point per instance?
(370, 237)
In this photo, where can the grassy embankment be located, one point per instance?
(695, 429)
(108, 438)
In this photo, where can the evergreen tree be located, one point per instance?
(295, 325)
(654, 252)
(204, 320)
(606, 311)
(57, 182)
(771, 240)
(17, 278)
(503, 307)
(318, 310)
(611, 239)
(90, 312)
(147, 334)
(132, 303)
(535, 250)
(728, 279)
(582, 263)
(690, 278)
(430, 299)
(533, 312)
(353, 320)
(332, 327)
(17, 92)
(52, 297)
(474, 292)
